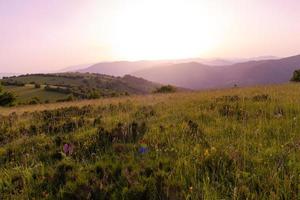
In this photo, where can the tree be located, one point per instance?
(94, 94)
(34, 101)
(36, 85)
(296, 76)
(7, 99)
(165, 89)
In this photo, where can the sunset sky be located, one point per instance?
(46, 35)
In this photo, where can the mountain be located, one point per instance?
(120, 68)
(199, 76)
(75, 68)
(189, 75)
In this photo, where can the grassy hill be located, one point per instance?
(59, 87)
(25, 94)
(240, 143)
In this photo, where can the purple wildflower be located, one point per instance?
(143, 150)
(68, 149)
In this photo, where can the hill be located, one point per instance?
(199, 76)
(63, 86)
(120, 68)
(232, 144)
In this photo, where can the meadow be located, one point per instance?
(26, 94)
(65, 87)
(239, 143)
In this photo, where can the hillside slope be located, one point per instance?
(79, 85)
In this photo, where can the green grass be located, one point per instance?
(87, 81)
(241, 143)
(28, 92)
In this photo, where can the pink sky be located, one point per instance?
(49, 35)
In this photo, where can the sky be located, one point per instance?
(48, 35)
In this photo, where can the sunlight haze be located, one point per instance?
(50, 35)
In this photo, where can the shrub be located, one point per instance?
(13, 83)
(34, 101)
(93, 95)
(296, 76)
(165, 89)
(7, 99)
(262, 97)
(36, 85)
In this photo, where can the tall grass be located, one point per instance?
(240, 143)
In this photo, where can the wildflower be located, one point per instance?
(206, 153)
(213, 149)
(143, 149)
(68, 149)
(45, 194)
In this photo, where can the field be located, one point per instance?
(61, 87)
(239, 143)
(26, 93)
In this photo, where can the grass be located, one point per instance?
(28, 92)
(86, 82)
(240, 143)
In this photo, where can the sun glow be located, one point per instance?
(164, 30)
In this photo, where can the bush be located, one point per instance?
(37, 85)
(296, 76)
(93, 95)
(165, 89)
(13, 83)
(7, 99)
(34, 101)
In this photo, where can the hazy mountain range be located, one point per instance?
(204, 73)
(121, 68)
(199, 76)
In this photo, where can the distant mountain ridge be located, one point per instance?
(199, 76)
(121, 68)
(197, 73)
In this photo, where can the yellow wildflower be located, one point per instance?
(206, 153)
